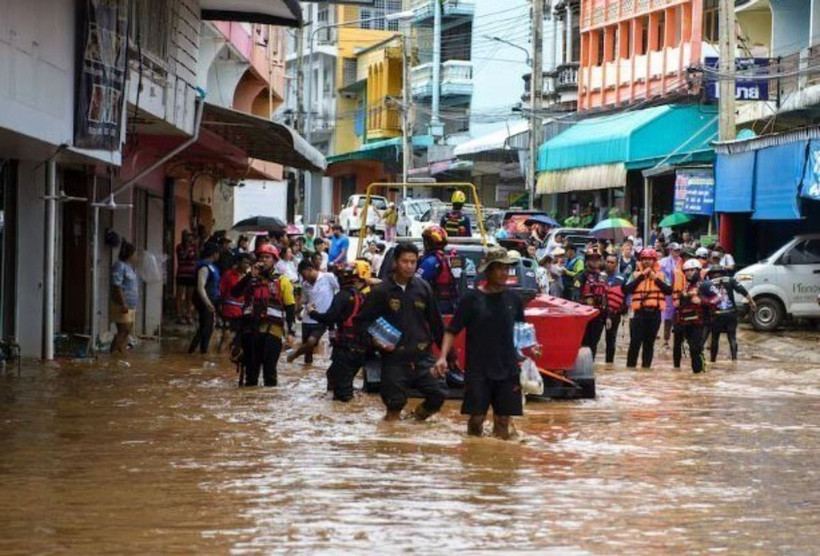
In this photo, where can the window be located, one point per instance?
(377, 13)
(151, 26)
(711, 24)
(322, 19)
(805, 252)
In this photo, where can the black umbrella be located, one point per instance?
(260, 224)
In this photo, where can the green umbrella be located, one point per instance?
(675, 219)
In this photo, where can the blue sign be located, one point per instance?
(695, 191)
(746, 88)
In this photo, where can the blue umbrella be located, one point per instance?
(542, 219)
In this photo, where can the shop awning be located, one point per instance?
(495, 141)
(263, 139)
(286, 13)
(595, 152)
(734, 182)
(386, 150)
(778, 173)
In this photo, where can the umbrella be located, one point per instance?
(542, 219)
(614, 229)
(260, 224)
(675, 219)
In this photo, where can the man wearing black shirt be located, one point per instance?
(409, 304)
(492, 374)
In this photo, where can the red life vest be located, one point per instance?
(689, 313)
(263, 302)
(445, 282)
(347, 334)
(615, 299)
(594, 291)
(231, 306)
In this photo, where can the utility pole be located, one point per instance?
(300, 111)
(726, 85)
(407, 131)
(536, 91)
(436, 129)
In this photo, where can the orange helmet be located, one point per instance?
(434, 237)
(267, 249)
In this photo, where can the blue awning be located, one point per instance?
(778, 173)
(811, 179)
(734, 182)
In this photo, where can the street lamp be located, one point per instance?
(512, 44)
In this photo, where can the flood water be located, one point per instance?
(167, 455)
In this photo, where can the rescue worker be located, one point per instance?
(573, 267)
(231, 310)
(671, 266)
(347, 340)
(590, 290)
(206, 297)
(409, 304)
(725, 310)
(268, 312)
(648, 287)
(616, 304)
(444, 271)
(455, 222)
(692, 304)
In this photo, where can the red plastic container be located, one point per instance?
(559, 325)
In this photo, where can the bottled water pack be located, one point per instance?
(384, 333)
(525, 335)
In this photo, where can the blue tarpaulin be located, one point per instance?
(811, 178)
(734, 182)
(778, 173)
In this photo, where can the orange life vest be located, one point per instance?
(648, 295)
(263, 302)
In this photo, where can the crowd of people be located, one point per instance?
(675, 289)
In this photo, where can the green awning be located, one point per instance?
(385, 150)
(635, 139)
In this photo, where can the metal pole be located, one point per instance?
(406, 146)
(536, 89)
(435, 122)
(48, 279)
(647, 212)
(95, 261)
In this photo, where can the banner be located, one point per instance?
(695, 191)
(102, 65)
(753, 87)
(811, 177)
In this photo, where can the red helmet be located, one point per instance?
(434, 237)
(649, 253)
(267, 249)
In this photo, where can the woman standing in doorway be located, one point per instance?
(124, 296)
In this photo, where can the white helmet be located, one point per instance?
(702, 252)
(691, 264)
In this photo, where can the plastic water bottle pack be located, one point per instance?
(384, 333)
(525, 335)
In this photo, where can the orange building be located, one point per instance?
(632, 50)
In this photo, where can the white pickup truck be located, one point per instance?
(787, 284)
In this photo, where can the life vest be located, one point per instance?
(347, 334)
(231, 306)
(615, 299)
(593, 291)
(454, 224)
(450, 271)
(648, 295)
(689, 313)
(212, 284)
(263, 302)
(186, 261)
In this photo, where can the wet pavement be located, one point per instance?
(165, 455)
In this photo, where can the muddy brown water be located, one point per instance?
(168, 456)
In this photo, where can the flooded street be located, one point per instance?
(168, 455)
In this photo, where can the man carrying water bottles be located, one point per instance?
(489, 314)
(409, 305)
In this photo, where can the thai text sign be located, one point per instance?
(695, 191)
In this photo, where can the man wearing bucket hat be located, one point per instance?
(590, 290)
(489, 314)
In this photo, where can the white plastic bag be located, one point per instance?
(151, 268)
(531, 381)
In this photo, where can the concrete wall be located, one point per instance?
(261, 198)
(791, 20)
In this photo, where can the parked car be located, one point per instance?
(411, 211)
(578, 237)
(350, 218)
(784, 285)
(440, 208)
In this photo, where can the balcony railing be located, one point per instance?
(383, 118)
(566, 77)
(456, 79)
(423, 9)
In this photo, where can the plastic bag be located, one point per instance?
(531, 381)
(151, 268)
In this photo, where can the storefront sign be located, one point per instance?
(695, 191)
(102, 54)
(746, 88)
(811, 179)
